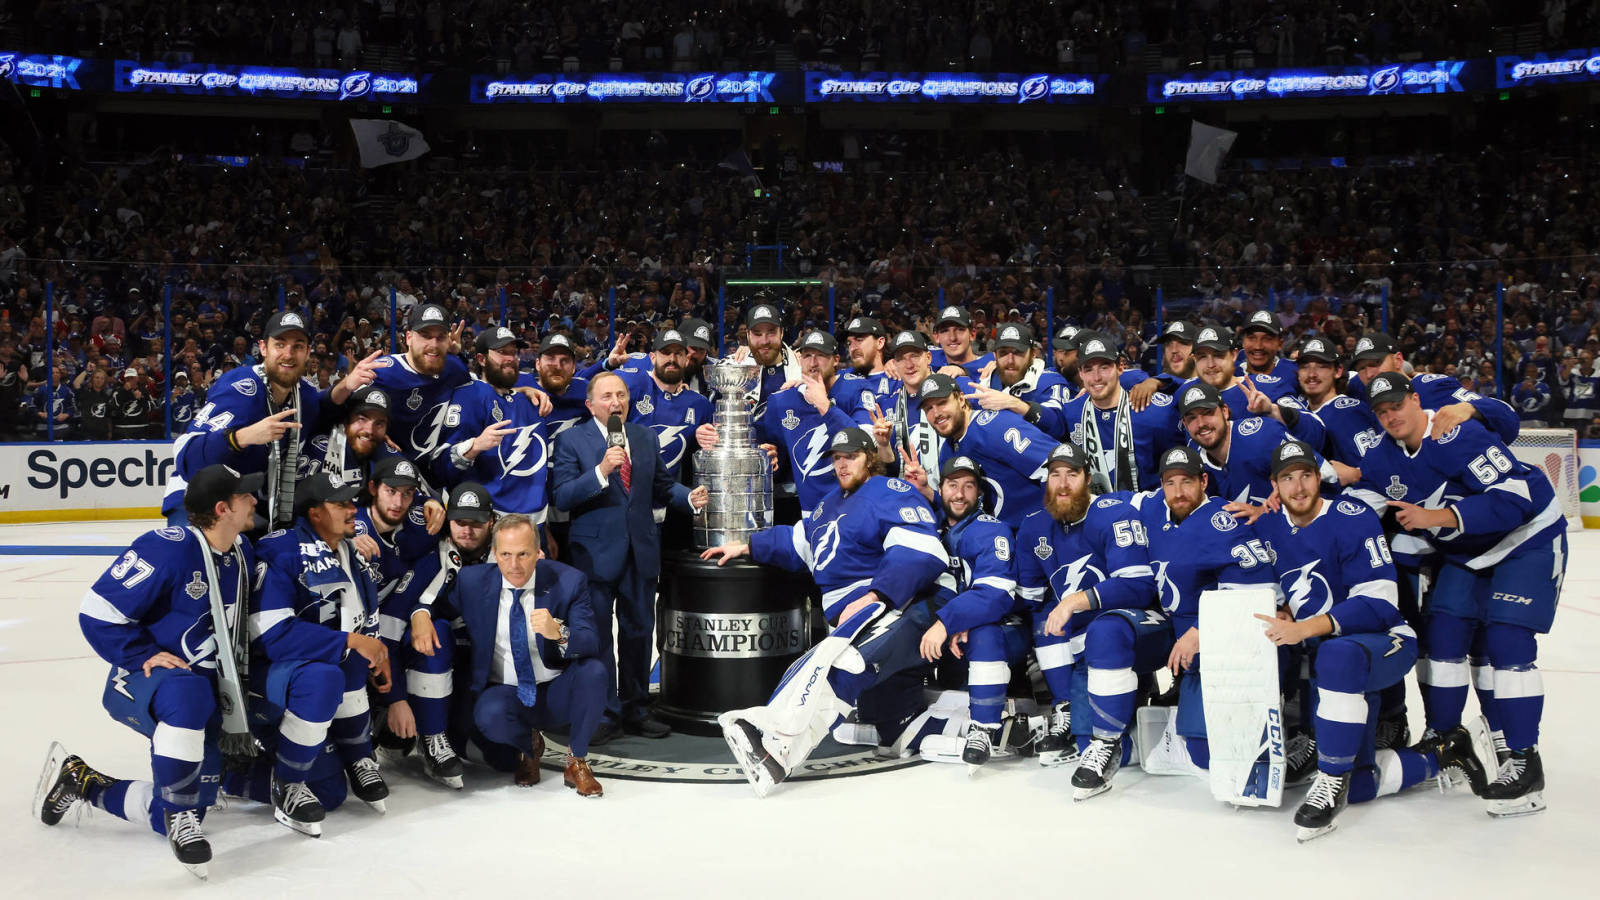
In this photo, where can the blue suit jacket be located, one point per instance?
(606, 521)
(561, 589)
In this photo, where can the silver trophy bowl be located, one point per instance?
(736, 473)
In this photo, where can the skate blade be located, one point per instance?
(309, 829)
(454, 782)
(738, 740)
(1528, 804)
(1311, 834)
(1052, 759)
(973, 769)
(1079, 793)
(198, 870)
(54, 758)
(377, 806)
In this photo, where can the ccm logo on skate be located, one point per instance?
(1512, 598)
(67, 475)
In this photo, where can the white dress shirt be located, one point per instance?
(504, 669)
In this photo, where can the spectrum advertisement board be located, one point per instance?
(951, 87)
(208, 80)
(1392, 79)
(625, 87)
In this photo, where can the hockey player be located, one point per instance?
(260, 418)
(1351, 427)
(1214, 364)
(166, 616)
(864, 343)
(556, 376)
(1123, 444)
(802, 420)
(903, 413)
(1011, 452)
(496, 435)
(1340, 598)
(1238, 452)
(872, 547)
(351, 448)
(953, 331)
(1451, 403)
(1081, 556)
(1499, 526)
(1261, 360)
(1023, 384)
(314, 621)
(663, 402)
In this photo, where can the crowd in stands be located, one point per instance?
(895, 35)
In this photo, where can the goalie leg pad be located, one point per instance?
(1244, 721)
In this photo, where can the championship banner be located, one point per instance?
(208, 80)
(951, 87)
(1443, 77)
(64, 482)
(628, 87)
(1557, 67)
(41, 70)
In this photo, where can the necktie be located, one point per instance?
(626, 470)
(521, 657)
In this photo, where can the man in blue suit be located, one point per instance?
(610, 480)
(534, 655)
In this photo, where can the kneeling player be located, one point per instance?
(166, 616)
(872, 548)
(1337, 577)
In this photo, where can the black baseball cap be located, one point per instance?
(1069, 453)
(1214, 337)
(470, 502)
(1180, 330)
(865, 325)
(1184, 459)
(325, 487)
(1066, 340)
(1094, 345)
(668, 337)
(1014, 337)
(763, 314)
(1199, 396)
(1290, 454)
(953, 315)
(367, 397)
(427, 315)
(284, 321)
(936, 386)
(852, 440)
(396, 471)
(218, 483)
(556, 342)
(912, 340)
(697, 333)
(961, 464)
(818, 340)
(1263, 320)
(1376, 345)
(497, 337)
(1318, 349)
(1389, 387)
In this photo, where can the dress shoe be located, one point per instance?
(579, 777)
(528, 771)
(647, 725)
(604, 734)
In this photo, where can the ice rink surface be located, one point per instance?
(1012, 831)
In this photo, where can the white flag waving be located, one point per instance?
(1207, 147)
(384, 141)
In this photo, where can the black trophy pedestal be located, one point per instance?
(728, 633)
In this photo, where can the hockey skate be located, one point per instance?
(63, 783)
(749, 746)
(1393, 733)
(1328, 797)
(1096, 767)
(980, 744)
(188, 842)
(294, 805)
(1057, 747)
(1301, 753)
(1518, 789)
(366, 782)
(440, 762)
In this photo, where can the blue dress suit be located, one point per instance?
(614, 540)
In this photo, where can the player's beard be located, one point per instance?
(767, 356)
(850, 482)
(554, 381)
(1070, 508)
(286, 380)
(670, 373)
(501, 377)
(378, 513)
(363, 445)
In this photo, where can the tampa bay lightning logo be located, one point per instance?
(199, 643)
(526, 452)
(425, 435)
(356, 84)
(1169, 593)
(811, 451)
(1035, 88)
(1077, 575)
(8, 66)
(1384, 80)
(1307, 591)
(827, 544)
(700, 88)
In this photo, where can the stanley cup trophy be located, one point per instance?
(737, 474)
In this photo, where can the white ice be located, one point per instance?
(1013, 831)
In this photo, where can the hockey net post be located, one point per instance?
(1555, 452)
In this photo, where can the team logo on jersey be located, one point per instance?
(644, 406)
(985, 417)
(1043, 549)
(1224, 521)
(246, 386)
(1349, 508)
(1080, 573)
(528, 453)
(416, 516)
(172, 534)
(196, 588)
(1396, 490)
(1343, 402)
(896, 484)
(1250, 426)
(1104, 502)
(1449, 436)
(1308, 587)
(1160, 399)
(415, 400)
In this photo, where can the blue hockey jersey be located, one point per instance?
(1012, 454)
(674, 417)
(1045, 387)
(155, 597)
(419, 403)
(1282, 381)
(980, 586)
(972, 367)
(1351, 426)
(1208, 549)
(805, 436)
(1338, 564)
(516, 472)
(1156, 428)
(1438, 391)
(880, 537)
(1106, 553)
(309, 597)
(1247, 474)
(567, 408)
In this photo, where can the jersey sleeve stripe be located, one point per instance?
(1000, 584)
(1378, 589)
(97, 607)
(900, 536)
(262, 622)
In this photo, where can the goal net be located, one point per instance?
(1555, 451)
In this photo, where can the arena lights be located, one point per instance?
(623, 87)
(1444, 77)
(950, 87)
(1566, 66)
(41, 70)
(254, 81)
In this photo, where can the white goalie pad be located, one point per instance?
(1158, 746)
(1239, 680)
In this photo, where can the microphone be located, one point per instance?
(614, 436)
